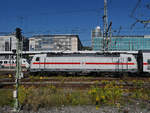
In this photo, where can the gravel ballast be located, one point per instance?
(81, 109)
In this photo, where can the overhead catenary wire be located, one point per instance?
(143, 20)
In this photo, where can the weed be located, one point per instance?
(6, 97)
(110, 94)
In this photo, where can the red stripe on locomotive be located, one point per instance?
(88, 63)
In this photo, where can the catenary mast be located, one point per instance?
(105, 26)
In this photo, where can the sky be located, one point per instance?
(72, 17)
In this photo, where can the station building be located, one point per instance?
(9, 43)
(123, 43)
(55, 43)
(120, 43)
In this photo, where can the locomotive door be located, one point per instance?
(123, 65)
(37, 62)
(119, 65)
(116, 64)
(40, 62)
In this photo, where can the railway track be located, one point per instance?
(78, 82)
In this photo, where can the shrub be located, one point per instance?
(110, 94)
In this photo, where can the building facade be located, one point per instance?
(96, 33)
(55, 43)
(9, 43)
(123, 43)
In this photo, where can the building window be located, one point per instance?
(6, 46)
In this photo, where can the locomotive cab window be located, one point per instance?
(37, 59)
(148, 61)
(1, 62)
(129, 59)
(5, 62)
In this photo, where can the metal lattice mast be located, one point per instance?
(18, 67)
(105, 21)
(110, 36)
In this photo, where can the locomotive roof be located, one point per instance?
(145, 51)
(82, 54)
(45, 52)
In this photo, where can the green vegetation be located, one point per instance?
(59, 77)
(6, 97)
(6, 76)
(111, 94)
(49, 96)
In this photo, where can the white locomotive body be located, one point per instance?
(146, 62)
(84, 62)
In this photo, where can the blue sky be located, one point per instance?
(70, 16)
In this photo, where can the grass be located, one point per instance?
(6, 97)
(60, 77)
(110, 94)
(34, 98)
